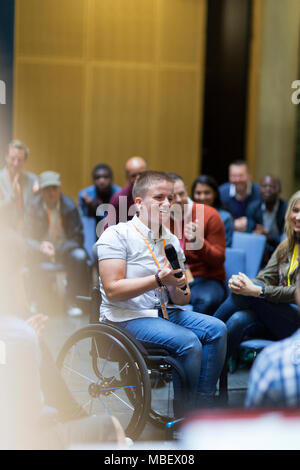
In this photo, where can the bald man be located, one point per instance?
(133, 169)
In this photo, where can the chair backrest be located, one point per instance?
(235, 261)
(254, 247)
(89, 231)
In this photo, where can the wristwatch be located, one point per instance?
(262, 292)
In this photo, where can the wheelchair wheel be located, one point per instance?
(106, 373)
(162, 395)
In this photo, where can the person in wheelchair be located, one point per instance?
(141, 293)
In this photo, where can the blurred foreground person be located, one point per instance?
(17, 187)
(28, 374)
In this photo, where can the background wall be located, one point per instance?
(272, 117)
(6, 73)
(101, 81)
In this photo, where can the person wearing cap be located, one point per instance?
(17, 187)
(54, 234)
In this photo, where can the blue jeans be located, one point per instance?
(206, 295)
(247, 316)
(197, 341)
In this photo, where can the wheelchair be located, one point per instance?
(108, 370)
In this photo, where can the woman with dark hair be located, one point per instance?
(205, 191)
(266, 306)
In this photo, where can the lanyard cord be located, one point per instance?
(294, 263)
(163, 307)
(54, 235)
(151, 251)
(20, 200)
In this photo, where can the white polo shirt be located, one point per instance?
(123, 241)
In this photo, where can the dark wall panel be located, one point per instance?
(7, 8)
(228, 38)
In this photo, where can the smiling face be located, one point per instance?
(15, 160)
(180, 193)
(240, 177)
(154, 206)
(204, 194)
(295, 218)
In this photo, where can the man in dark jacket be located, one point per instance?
(266, 217)
(238, 193)
(54, 234)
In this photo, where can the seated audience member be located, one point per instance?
(266, 217)
(205, 191)
(17, 187)
(30, 381)
(205, 263)
(134, 281)
(275, 375)
(238, 193)
(54, 234)
(99, 193)
(133, 169)
(265, 306)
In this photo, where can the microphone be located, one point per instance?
(172, 257)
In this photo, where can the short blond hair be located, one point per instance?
(147, 179)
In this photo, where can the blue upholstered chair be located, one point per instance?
(235, 262)
(254, 247)
(89, 231)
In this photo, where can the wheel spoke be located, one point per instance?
(82, 361)
(70, 369)
(123, 401)
(106, 359)
(119, 388)
(104, 406)
(112, 373)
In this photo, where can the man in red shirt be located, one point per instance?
(202, 237)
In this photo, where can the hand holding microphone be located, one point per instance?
(172, 257)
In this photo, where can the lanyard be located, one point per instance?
(54, 235)
(163, 307)
(20, 201)
(294, 263)
(151, 251)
